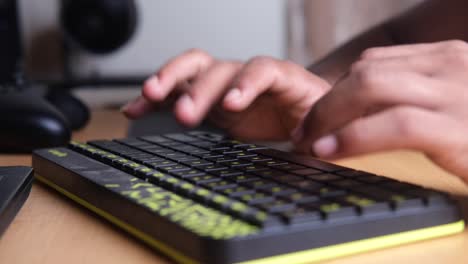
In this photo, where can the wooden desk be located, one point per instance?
(51, 229)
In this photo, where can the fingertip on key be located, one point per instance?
(185, 111)
(152, 89)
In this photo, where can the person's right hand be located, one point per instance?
(263, 99)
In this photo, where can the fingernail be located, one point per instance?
(152, 88)
(128, 106)
(325, 146)
(297, 134)
(234, 95)
(186, 103)
(152, 82)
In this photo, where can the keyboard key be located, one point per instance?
(300, 197)
(269, 173)
(163, 163)
(208, 168)
(276, 206)
(399, 201)
(307, 172)
(365, 205)
(157, 177)
(179, 157)
(272, 163)
(347, 184)
(237, 191)
(231, 152)
(250, 147)
(205, 178)
(429, 197)
(143, 172)
(396, 186)
(307, 185)
(219, 185)
(333, 210)
(220, 147)
(258, 158)
(223, 160)
(352, 173)
(253, 168)
(289, 167)
(181, 137)
(207, 136)
(197, 163)
(300, 215)
(259, 184)
(235, 164)
(171, 144)
(203, 144)
(256, 198)
(264, 219)
(288, 178)
(325, 177)
(173, 168)
(188, 173)
(242, 178)
(155, 139)
(212, 156)
(221, 201)
(330, 192)
(277, 190)
(244, 154)
(226, 173)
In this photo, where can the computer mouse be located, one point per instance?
(29, 122)
(75, 111)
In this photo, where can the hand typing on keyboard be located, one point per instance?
(411, 96)
(275, 96)
(262, 99)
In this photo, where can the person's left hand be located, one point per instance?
(400, 97)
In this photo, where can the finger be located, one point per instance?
(137, 108)
(206, 90)
(409, 49)
(362, 93)
(396, 128)
(288, 81)
(178, 70)
(140, 106)
(440, 137)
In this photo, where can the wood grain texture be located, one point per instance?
(53, 230)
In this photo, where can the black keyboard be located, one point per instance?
(204, 198)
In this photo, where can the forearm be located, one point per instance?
(434, 20)
(337, 63)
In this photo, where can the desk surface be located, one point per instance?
(51, 229)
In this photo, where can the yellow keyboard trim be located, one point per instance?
(301, 257)
(364, 245)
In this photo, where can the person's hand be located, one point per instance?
(262, 99)
(401, 97)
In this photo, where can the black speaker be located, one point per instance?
(10, 44)
(99, 26)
